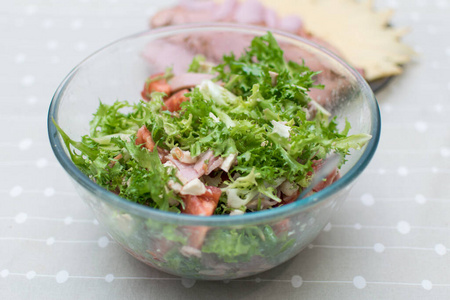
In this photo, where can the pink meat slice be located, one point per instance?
(188, 80)
(186, 172)
(213, 164)
(201, 165)
(163, 53)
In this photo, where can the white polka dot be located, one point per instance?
(81, 46)
(28, 80)
(427, 285)
(379, 248)
(76, 24)
(31, 10)
(54, 60)
(440, 249)
(420, 199)
(421, 126)
(109, 278)
(359, 282)
(32, 100)
(257, 280)
(103, 242)
(49, 192)
(16, 191)
(50, 241)
(4, 273)
(387, 108)
(403, 227)
(402, 171)
(445, 152)
(30, 275)
(62, 276)
(41, 163)
(327, 227)
(188, 282)
(434, 170)
(438, 108)
(296, 281)
(367, 199)
(25, 144)
(357, 226)
(20, 58)
(381, 171)
(415, 16)
(95, 222)
(52, 45)
(20, 218)
(68, 220)
(47, 23)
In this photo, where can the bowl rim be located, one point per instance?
(214, 220)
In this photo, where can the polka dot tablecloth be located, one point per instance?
(389, 241)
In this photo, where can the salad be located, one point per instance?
(232, 138)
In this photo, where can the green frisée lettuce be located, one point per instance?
(247, 140)
(255, 116)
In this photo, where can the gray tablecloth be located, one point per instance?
(389, 241)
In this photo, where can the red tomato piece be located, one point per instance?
(203, 205)
(173, 103)
(155, 86)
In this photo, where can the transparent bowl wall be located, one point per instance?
(163, 240)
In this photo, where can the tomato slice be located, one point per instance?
(203, 205)
(174, 102)
(155, 86)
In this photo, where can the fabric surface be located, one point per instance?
(390, 240)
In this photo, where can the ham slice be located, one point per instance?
(214, 163)
(201, 166)
(186, 172)
(188, 80)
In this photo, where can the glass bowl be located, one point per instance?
(234, 246)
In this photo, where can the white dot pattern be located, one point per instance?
(398, 207)
(359, 282)
(188, 282)
(62, 276)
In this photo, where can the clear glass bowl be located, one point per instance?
(250, 243)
